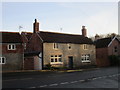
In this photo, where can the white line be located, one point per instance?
(43, 86)
(53, 84)
(94, 78)
(64, 83)
(32, 87)
(89, 79)
(74, 82)
(99, 77)
(81, 80)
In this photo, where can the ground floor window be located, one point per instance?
(2, 60)
(56, 58)
(85, 58)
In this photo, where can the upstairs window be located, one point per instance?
(115, 49)
(85, 46)
(11, 47)
(55, 45)
(2, 60)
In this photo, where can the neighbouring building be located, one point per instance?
(60, 49)
(106, 47)
(12, 53)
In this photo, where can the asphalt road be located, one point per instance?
(99, 78)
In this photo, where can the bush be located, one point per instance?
(114, 60)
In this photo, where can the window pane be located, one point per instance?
(55, 55)
(9, 46)
(51, 55)
(60, 59)
(55, 59)
(3, 60)
(52, 60)
(13, 46)
(60, 55)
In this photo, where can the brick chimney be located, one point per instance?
(35, 26)
(84, 31)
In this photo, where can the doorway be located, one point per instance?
(70, 60)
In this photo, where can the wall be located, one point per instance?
(102, 57)
(35, 43)
(111, 48)
(29, 63)
(76, 52)
(14, 58)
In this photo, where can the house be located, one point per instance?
(12, 53)
(106, 47)
(60, 49)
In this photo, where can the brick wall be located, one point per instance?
(111, 50)
(29, 63)
(102, 57)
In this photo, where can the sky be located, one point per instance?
(98, 17)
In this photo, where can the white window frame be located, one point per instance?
(1, 60)
(85, 58)
(11, 45)
(69, 47)
(55, 46)
(85, 46)
(56, 57)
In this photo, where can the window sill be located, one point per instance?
(86, 61)
(56, 63)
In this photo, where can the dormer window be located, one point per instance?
(11, 47)
(55, 45)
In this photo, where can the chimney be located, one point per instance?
(97, 37)
(84, 31)
(35, 26)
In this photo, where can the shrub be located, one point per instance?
(114, 60)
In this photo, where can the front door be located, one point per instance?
(70, 58)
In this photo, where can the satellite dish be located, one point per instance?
(40, 55)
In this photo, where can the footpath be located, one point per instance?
(34, 72)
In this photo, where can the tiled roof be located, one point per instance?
(53, 37)
(11, 37)
(27, 34)
(104, 42)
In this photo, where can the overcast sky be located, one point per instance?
(98, 17)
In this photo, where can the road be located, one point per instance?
(98, 78)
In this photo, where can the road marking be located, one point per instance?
(81, 80)
(99, 77)
(53, 84)
(32, 87)
(64, 83)
(74, 82)
(94, 78)
(43, 86)
(89, 79)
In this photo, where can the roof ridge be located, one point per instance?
(60, 33)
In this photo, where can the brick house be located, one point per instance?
(11, 55)
(62, 50)
(106, 47)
